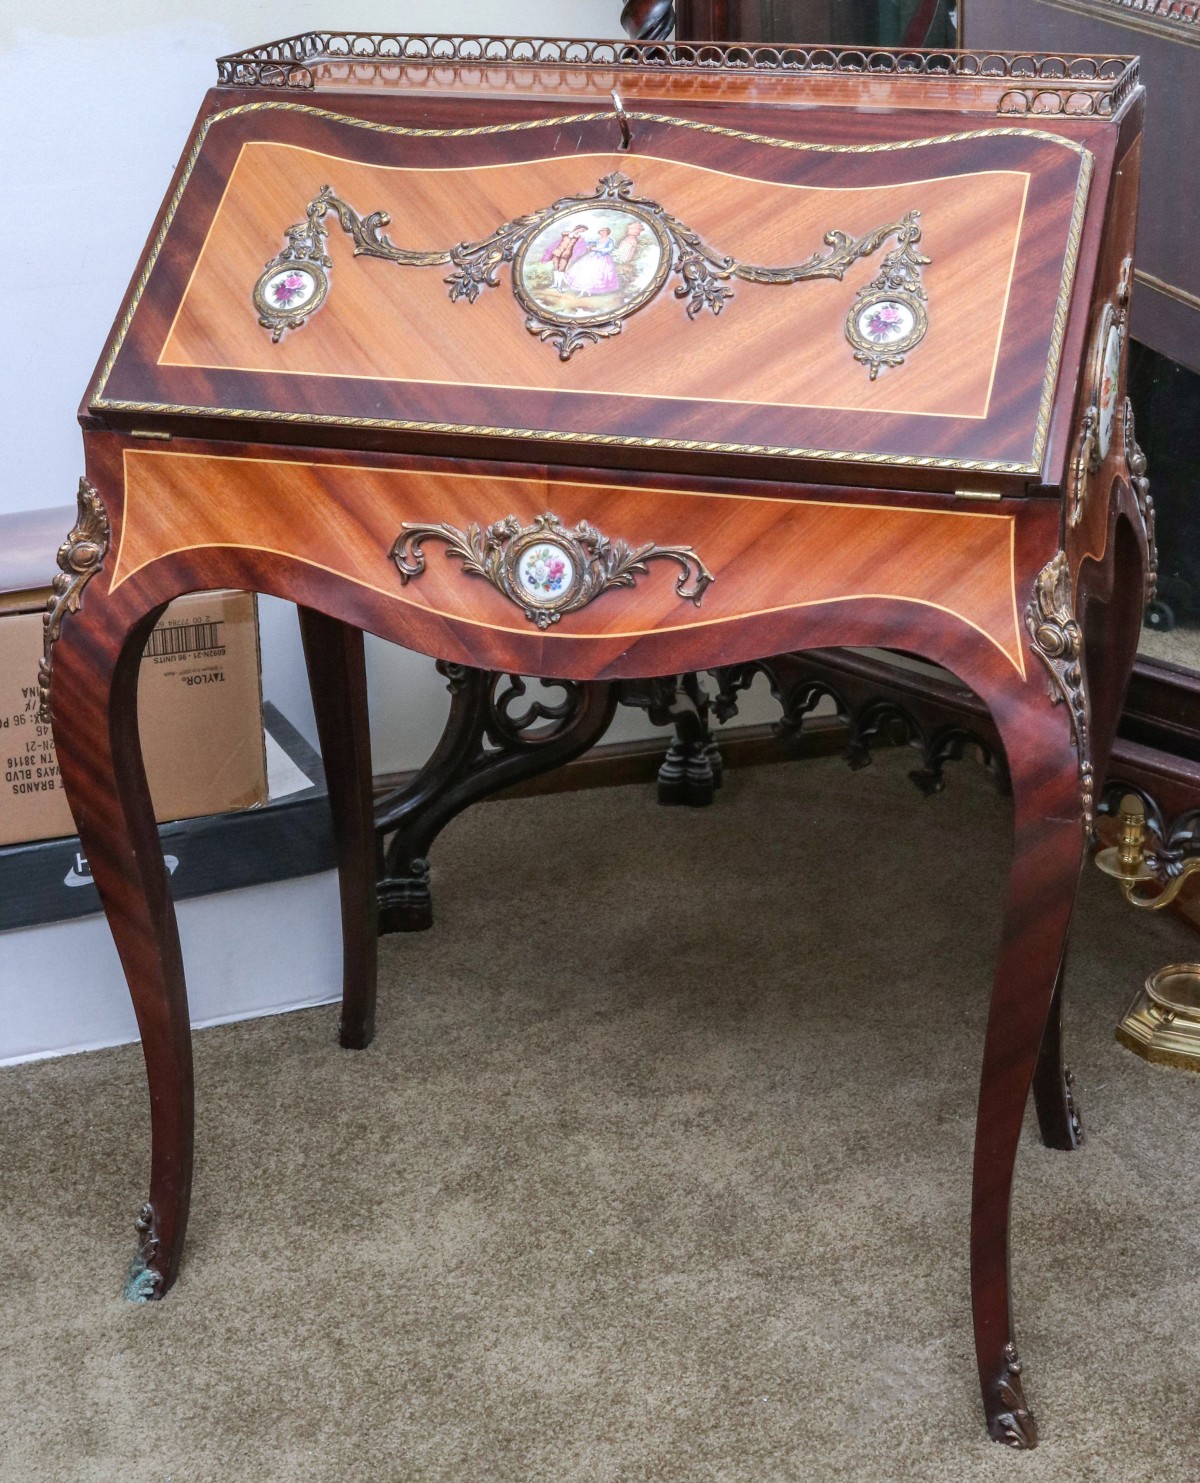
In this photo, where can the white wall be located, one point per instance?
(97, 103)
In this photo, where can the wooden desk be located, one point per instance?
(823, 357)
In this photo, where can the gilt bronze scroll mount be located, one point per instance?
(546, 569)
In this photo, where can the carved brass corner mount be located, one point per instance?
(1103, 387)
(144, 1282)
(1058, 641)
(581, 266)
(80, 557)
(1135, 464)
(546, 569)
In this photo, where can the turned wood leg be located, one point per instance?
(1049, 850)
(337, 676)
(493, 738)
(692, 769)
(94, 718)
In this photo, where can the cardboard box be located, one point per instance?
(199, 696)
(49, 880)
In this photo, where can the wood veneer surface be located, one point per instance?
(782, 345)
(767, 554)
(773, 371)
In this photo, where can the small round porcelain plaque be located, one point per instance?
(588, 264)
(546, 574)
(883, 326)
(287, 293)
(886, 322)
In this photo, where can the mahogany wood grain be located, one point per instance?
(100, 758)
(769, 550)
(397, 325)
(975, 406)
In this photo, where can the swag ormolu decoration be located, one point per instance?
(583, 265)
(546, 569)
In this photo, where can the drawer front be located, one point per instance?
(563, 559)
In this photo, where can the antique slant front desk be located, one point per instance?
(592, 361)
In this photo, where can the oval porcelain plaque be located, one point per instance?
(1110, 378)
(589, 264)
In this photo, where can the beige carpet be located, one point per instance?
(658, 1169)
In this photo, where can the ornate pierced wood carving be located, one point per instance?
(1058, 641)
(546, 569)
(144, 1282)
(80, 557)
(496, 735)
(581, 266)
(1014, 1424)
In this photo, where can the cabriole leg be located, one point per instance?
(1049, 850)
(93, 701)
(337, 676)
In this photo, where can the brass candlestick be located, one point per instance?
(1163, 1022)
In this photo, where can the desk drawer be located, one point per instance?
(568, 557)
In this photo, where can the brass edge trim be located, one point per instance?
(608, 440)
(97, 401)
(614, 154)
(1170, 290)
(807, 146)
(1066, 283)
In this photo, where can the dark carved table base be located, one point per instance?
(495, 737)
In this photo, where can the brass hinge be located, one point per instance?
(150, 432)
(977, 494)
